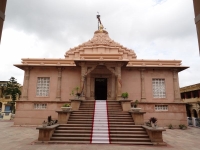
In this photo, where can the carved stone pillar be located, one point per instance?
(176, 86)
(119, 81)
(88, 86)
(83, 78)
(92, 88)
(143, 93)
(113, 87)
(26, 83)
(58, 91)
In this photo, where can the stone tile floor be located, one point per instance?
(22, 138)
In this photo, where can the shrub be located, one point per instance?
(153, 120)
(135, 103)
(66, 105)
(124, 95)
(182, 126)
(170, 126)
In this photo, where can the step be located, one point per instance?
(68, 142)
(126, 129)
(127, 132)
(77, 128)
(76, 125)
(98, 135)
(71, 138)
(73, 131)
(129, 135)
(71, 134)
(130, 122)
(130, 139)
(131, 143)
(75, 121)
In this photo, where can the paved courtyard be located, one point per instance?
(22, 138)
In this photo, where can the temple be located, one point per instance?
(102, 69)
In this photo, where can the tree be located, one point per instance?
(13, 89)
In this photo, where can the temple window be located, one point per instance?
(161, 107)
(40, 106)
(43, 86)
(158, 88)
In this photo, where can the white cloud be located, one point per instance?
(154, 29)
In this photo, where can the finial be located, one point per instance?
(100, 25)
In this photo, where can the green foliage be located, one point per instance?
(170, 126)
(124, 95)
(182, 126)
(66, 105)
(135, 103)
(13, 89)
(77, 92)
(153, 120)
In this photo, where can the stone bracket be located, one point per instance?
(63, 116)
(155, 135)
(138, 117)
(45, 133)
(126, 104)
(75, 103)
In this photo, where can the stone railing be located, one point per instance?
(45, 133)
(155, 135)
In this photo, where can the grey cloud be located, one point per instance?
(162, 31)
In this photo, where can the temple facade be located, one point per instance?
(102, 69)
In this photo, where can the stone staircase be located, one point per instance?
(79, 128)
(122, 127)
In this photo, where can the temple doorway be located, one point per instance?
(100, 88)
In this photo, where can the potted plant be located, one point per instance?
(170, 126)
(153, 121)
(44, 124)
(124, 95)
(66, 107)
(134, 108)
(182, 126)
(77, 95)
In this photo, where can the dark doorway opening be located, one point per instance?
(100, 88)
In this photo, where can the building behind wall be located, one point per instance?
(102, 69)
(191, 96)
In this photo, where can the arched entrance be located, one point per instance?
(188, 110)
(0, 106)
(194, 112)
(199, 114)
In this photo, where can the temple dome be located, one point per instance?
(101, 46)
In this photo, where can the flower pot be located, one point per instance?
(66, 108)
(44, 125)
(153, 125)
(135, 109)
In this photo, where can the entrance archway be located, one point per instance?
(194, 112)
(100, 88)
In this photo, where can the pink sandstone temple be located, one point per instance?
(103, 70)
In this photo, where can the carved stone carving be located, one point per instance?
(92, 94)
(109, 94)
(58, 93)
(143, 95)
(26, 83)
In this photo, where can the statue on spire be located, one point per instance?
(100, 25)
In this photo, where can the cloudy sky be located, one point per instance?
(154, 29)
